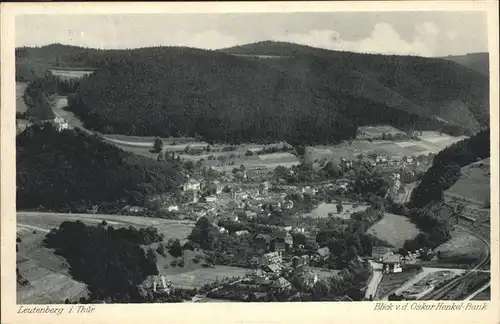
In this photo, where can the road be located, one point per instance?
(376, 278)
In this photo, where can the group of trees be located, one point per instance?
(445, 170)
(111, 262)
(71, 170)
(435, 230)
(37, 94)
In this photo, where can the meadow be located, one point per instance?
(473, 185)
(47, 274)
(429, 142)
(199, 277)
(394, 229)
(323, 209)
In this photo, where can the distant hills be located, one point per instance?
(478, 62)
(292, 92)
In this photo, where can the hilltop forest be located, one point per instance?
(308, 96)
(71, 170)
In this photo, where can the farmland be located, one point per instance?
(47, 274)
(473, 185)
(429, 142)
(323, 209)
(394, 229)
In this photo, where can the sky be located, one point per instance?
(407, 33)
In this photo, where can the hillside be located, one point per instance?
(446, 169)
(71, 170)
(310, 95)
(478, 62)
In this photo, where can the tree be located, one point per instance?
(176, 249)
(340, 208)
(157, 144)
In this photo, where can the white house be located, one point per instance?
(192, 185)
(391, 263)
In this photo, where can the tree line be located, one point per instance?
(445, 170)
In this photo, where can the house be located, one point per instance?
(282, 241)
(273, 268)
(242, 233)
(222, 230)
(192, 185)
(262, 241)
(323, 253)
(303, 260)
(211, 199)
(270, 258)
(379, 251)
(158, 284)
(391, 263)
(60, 124)
(281, 284)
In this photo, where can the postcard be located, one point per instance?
(270, 162)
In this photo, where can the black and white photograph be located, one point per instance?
(252, 157)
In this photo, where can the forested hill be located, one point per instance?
(478, 62)
(310, 95)
(71, 170)
(445, 170)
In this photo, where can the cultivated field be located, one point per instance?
(473, 185)
(324, 208)
(394, 229)
(430, 142)
(47, 273)
(20, 106)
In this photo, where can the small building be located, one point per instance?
(262, 241)
(282, 241)
(192, 185)
(242, 233)
(391, 263)
(172, 208)
(270, 258)
(323, 253)
(281, 284)
(273, 268)
(158, 284)
(211, 199)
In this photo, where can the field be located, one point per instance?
(20, 106)
(172, 229)
(324, 208)
(473, 185)
(199, 277)
(430, 142)
(463, 248)
(366, 132)
(394, 229)
(47, 273)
